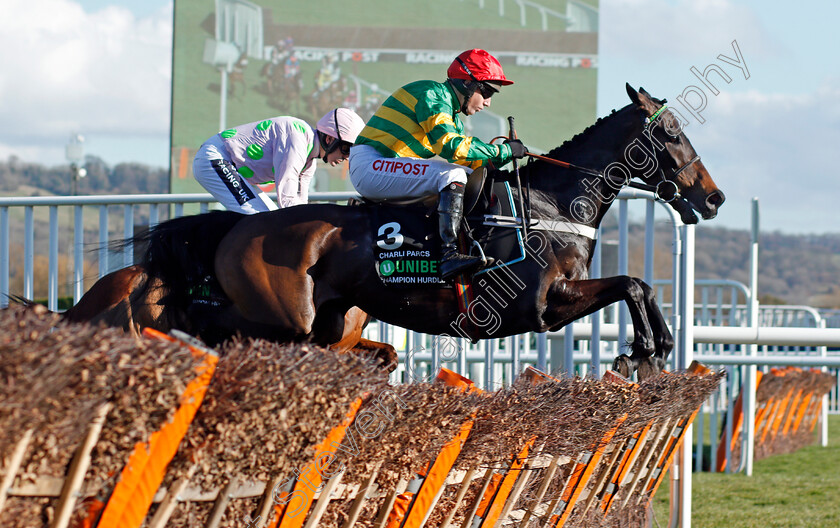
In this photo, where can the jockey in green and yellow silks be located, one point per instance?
(393, 154)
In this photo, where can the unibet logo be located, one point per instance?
(386, 268)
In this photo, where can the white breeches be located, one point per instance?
(216, 173)
(377, 178)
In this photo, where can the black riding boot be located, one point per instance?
(450, 212)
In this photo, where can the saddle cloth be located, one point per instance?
(406, 246)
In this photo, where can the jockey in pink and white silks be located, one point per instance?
(281, 149)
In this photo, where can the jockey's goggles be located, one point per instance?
(344, 147)
(486, 90)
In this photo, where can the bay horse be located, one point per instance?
(131, 300)
(294, 273)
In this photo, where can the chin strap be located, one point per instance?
(463, 91)
(324, 146)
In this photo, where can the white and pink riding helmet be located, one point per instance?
(344, 125)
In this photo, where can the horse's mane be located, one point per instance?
(584, 135)
(577, 139)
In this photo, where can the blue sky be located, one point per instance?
(102, 67)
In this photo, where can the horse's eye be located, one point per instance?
(672, 139)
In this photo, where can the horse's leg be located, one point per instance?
(147, 308)
(123, 299)
(332, 326)
(105, 294)
(652, 341)
(109, 301)
(355, 321)
(664, 341)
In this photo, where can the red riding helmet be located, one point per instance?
(477, 65)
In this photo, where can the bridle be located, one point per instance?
(664, 181)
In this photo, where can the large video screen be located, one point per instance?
(240, 61)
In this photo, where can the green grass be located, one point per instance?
(413, 13)
(800, 489)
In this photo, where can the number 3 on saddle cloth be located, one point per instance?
(407, 244)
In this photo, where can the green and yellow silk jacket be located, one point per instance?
(420, 121)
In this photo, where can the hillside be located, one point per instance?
(792, 269)
(799, 269)
(123, 178)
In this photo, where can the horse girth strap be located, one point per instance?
(560, 226)
(557, 226)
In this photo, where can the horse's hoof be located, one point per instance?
(650, 368)
(387, 359)
(623, 365)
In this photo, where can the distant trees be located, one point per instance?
(123, 178)
(792, 269)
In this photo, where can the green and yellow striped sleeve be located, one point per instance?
(445, 133)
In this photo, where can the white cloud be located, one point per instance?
(653, 30)
(105, 73)
(778, 148)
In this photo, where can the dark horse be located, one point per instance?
(294, 273)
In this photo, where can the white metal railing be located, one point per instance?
(544, 12)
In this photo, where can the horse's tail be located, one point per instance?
(180, 252)
(23, 301)
(20, 300)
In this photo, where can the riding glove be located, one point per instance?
(517, 149)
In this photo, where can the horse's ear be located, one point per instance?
(634, 95)
(641, 99)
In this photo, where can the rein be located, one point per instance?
(593, 172)
(565, 164)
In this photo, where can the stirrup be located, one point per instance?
(461, 264)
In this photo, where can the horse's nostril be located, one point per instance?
(715, 199)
